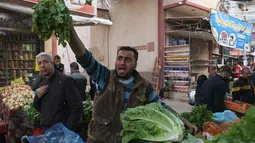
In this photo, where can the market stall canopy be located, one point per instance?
(78, 20)
(194, 27)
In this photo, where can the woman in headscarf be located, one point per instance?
(200, 81)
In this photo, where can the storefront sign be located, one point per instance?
(236, 52)
(230, 32)
(78, 6)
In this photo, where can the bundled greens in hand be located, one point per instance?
(198, 116)
(242, 132)
(52, 16)
(32, 115)
(151, 123)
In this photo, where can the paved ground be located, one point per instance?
(179, 106)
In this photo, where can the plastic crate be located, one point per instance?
(238, 107)
(37, 131)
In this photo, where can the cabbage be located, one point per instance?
(151, 123)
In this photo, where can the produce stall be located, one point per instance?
(12, 99)
(18, 46)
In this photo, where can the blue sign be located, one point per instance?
(230, 32)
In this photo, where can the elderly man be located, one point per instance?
(118, 90)
(56, 97)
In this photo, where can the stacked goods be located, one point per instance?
(13, 98)
(17, 96)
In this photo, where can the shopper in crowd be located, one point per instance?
(80, 80)
(200, 82)
(58, 65)
(214, 90)
(237, 70)
(167, 88)
(243, 88)
(56, 97)
(213, 72)
(118, 90)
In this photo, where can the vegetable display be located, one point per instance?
(17, 96)
(32, 115)
(151, 123)
(52, 16)
(199, 115)
(240, 132)
(87, 109)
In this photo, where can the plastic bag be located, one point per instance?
(58, 133)
(226, 116)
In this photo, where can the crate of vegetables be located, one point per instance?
(14, 97)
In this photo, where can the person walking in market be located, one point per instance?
(80, 80)
(243, 88)
(214, 90)
(58, 65)
(56, 97)
(117, 90)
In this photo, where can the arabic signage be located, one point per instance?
(230, 32)
(78, 6)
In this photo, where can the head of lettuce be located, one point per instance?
(151, 123)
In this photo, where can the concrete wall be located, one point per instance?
(67, 55)
(132, 26)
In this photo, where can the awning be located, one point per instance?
(78, 20)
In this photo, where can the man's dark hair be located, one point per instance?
(74, 66)
(128, 48)
(225, 69)
(57, 57)
(214, 68)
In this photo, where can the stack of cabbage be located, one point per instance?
(151, 123)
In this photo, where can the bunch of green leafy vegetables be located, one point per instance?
(199, 115)
(52, 16)
(151, 123)
(242, 132)
(32, 114)
(87, 108)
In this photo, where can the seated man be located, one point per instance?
(168, 87)
(243, 88)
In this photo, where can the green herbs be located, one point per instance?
(87, 108)
(198, 116)
(242, 132)
(52, 16)
(151, 123)
(31, 114)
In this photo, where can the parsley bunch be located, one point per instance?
(52, 16)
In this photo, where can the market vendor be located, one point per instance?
(56, 97)
(243, 88)
(214, 90)
(117, 90)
